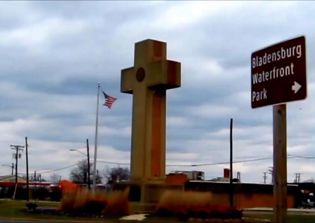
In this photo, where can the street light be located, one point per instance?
(77, 150)
(87, 154)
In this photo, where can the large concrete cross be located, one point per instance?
(148, 81)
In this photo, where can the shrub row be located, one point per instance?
(189, 204)
(83, 202)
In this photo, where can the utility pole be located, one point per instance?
(265, 177)
(12, 168)
(87, 171)
(16, 155)
(231, 164)
(297, 178)
(88, 163)
(270, 170)
(27, 178)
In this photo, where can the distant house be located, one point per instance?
(10, 180)
(40, 190)
(191, 175)
(246, 195)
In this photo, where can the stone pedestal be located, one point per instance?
(152, 191)
(145, 196)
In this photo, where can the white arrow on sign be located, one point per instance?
(296, 87)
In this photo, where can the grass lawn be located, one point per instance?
(16, 209)
(301, 218)
(291, 218)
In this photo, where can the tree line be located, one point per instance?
(108, 176)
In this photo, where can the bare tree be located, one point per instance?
(54, 178)
(80, 173)
(116, 174)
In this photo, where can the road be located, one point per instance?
(295, 211)
(12, 220)
(247, 212)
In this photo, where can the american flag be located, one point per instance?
(109, 100)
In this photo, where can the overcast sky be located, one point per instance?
(53, 54)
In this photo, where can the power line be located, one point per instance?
(301, 157)
(58, 169)
(221, 163)
(241, 161)
(186, 165)
(114, 163)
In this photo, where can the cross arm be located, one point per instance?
(165, 73)
(127, 78)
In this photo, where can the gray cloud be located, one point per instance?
(53, 54)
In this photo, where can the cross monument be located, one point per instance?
(148, 80)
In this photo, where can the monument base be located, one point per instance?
(146, 195)
(153, 191)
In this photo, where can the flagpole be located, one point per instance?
(95, 141)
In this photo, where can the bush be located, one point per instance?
(86, 203)
(118, 204)
(189, 204)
